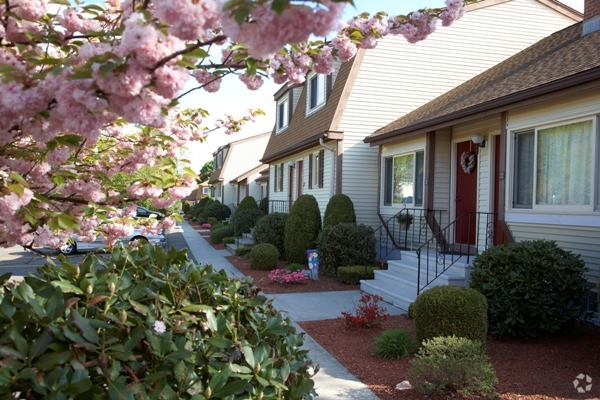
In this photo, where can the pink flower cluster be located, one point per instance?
(282, 276)
(205, 226)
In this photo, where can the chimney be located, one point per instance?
(591, 16)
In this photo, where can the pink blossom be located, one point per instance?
(210, 82)
(252, 82)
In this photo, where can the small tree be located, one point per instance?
(205, 172)
(340, 209)
(302, 228)
(247, 203)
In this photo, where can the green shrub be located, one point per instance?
(394, 343)
(454, 364)
(218, 235)
(186, 207)
(94, 330)
(340, 210)
(245, 220)
(295, 267)
(271, 229)
(212, 221)
(264, 257)
(247, 203)
(451, 310)
(532, 287)
(411, 310)
(229, 240)
(264, 205)
(302, 228)
(343, 245)
(217, 226)
(242, 251)
(353, 274)
(217, 211)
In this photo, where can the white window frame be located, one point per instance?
(555, 209)
(206, 190)
(283, 120)
(321, 92)
(415, 172)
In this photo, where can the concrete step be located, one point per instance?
(458, 268)
(390, 296)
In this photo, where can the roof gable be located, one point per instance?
(217, 175)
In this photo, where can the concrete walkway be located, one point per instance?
(334, 381)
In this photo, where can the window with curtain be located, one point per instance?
(553, 166)
(403, 179)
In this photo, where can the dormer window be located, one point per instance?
(316, 92)
(283, 114)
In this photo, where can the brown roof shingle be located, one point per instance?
(540, 68)
(306, 131)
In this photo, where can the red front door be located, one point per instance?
(300, 178)
(291, 186)
(466, 196)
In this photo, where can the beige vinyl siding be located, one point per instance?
(442, 177)
(397, 77)
(322, 195)
(580, 240)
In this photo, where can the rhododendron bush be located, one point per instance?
(89, 91)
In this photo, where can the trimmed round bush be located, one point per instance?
(452, 364)
(242, 251)
(531, 287)
(218, 211)
(217, 226)
(264, 205)
(247, 203)
(302, 228)
(451, 310)
(394, 343)
(245, 220)
(212, 221)
(344, 245)
(229, 240)
(219, 234)
(411, 310)
(264, 257)
(340, 210)
(295, 267)
(353, 274)
(271, 229)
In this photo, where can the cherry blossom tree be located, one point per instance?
(90, 91)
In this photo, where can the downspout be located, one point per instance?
(334, 164)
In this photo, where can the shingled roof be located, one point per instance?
(559, 61)
(304, 132)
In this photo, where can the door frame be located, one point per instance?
(453, 183)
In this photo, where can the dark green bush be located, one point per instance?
(245, 220)
(219, 234)
(145, 323)
(302, 228)
(271, 229)
(340, 210)
(229, 240)
(212, 221)
(452, 364)
(264, 205)
(242, 251)
(218, 211)
(343, 245)
(186, 207)
(247, 203)
(353, 274)
(411, 310)
(394, 343)
(532, 287)
(264, 257)
(217, 226)
(451, 310)
(295, 267)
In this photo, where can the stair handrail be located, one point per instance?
(442, 246)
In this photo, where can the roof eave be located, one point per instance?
(303, 145)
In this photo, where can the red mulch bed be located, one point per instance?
(261, 279)
(544, 368)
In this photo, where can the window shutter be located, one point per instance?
(321, 167)
(281, 177)
(310, 171)
(275, 185)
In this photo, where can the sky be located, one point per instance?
(233, 97)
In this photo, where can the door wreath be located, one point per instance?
(468, 159)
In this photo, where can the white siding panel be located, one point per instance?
(442, 171)
(580, 240)
(397, 77)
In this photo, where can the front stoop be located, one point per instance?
(245, 241)
(398, 284)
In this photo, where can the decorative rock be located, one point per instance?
(404, 385)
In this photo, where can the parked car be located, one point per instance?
(143, 212)
(74, 245)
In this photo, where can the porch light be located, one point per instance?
(292, 163)
(478, 140)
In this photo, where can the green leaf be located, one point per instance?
(197, 53)
(61, 2)
(139, 308)
(168, 293)
(54, 306)
(303, 389)
(195, 308)
(67, 287)
(179, 355)
(82, 73)
(6, 307)
(118, 391)
(84, 327)
(49, 361)
(279, 6)
(220, 342)
(235, 387)
(251, 66)
(40, 345)
(249, 355)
